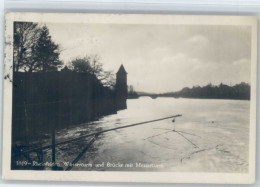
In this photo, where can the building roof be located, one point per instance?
(121, 70)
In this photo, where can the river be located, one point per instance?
(210, 136)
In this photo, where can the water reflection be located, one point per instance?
(196, 144)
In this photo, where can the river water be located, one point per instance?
(210, 136)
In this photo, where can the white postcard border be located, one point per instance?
(108, 176)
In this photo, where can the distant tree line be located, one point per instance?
(222, 91)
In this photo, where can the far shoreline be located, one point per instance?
(191, 98)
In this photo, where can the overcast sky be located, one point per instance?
(162, 58)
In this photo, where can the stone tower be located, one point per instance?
(121, 88)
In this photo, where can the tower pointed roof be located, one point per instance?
(121, 70)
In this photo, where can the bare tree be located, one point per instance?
(92, 65)
(96, 66)
(26, 35)
(34, 49)
(108, 79)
